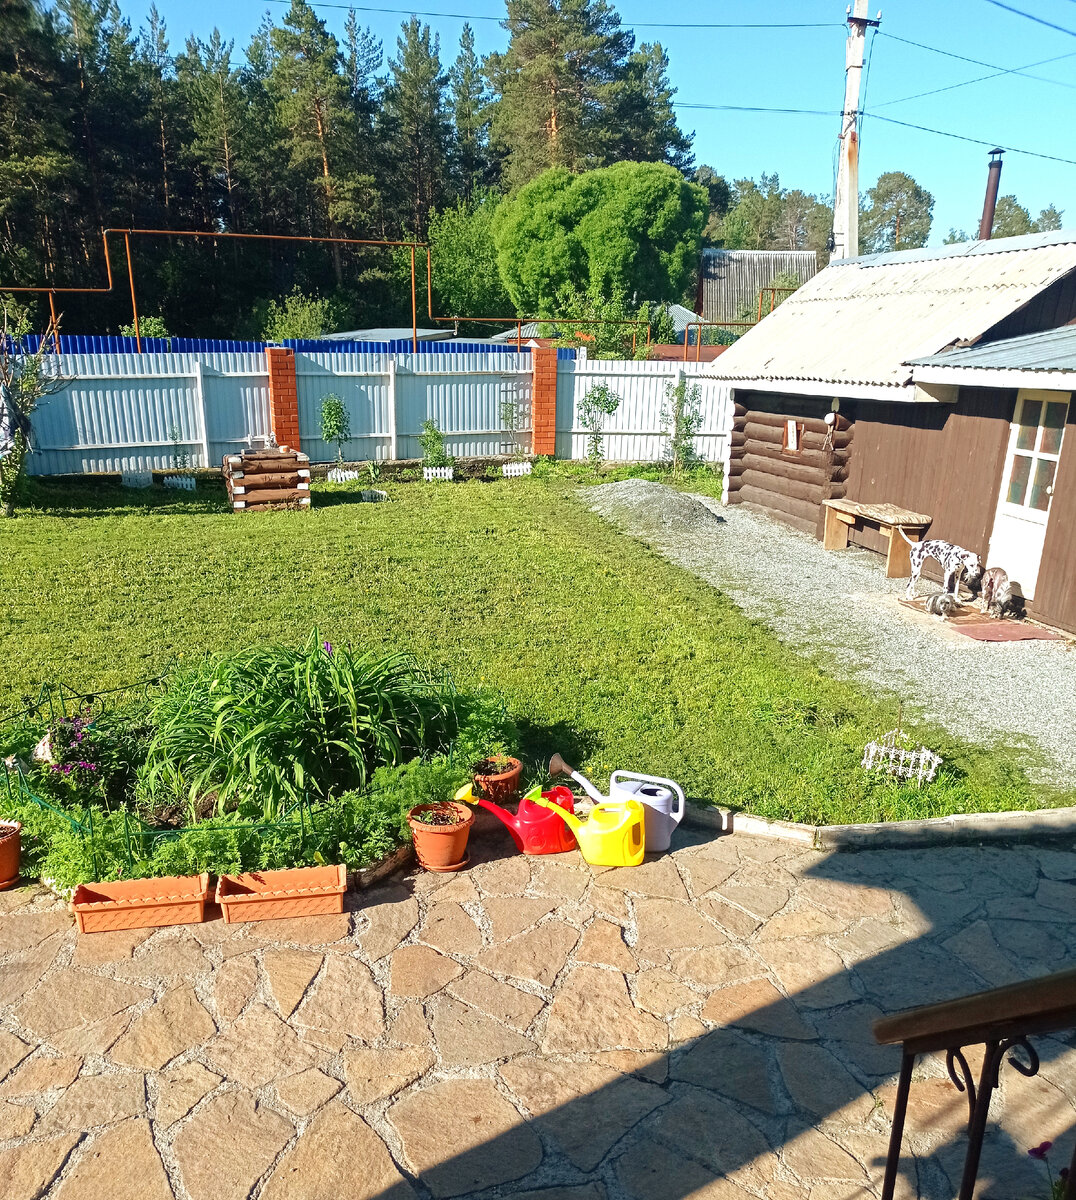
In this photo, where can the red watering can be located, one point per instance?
(534, 829)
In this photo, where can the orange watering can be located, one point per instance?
(535, 829)
(612, 836)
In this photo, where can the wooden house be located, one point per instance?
(935, 380)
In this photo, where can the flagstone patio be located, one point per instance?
(696, 1026)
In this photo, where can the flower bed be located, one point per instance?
(319, 766)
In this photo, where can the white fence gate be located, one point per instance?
(634, 432)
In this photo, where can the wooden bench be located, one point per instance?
(842, 514)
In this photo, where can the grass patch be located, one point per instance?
(600, 648)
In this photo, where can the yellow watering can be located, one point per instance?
(612, 836)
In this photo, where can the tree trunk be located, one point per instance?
(338, 269)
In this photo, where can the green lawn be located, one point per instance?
(599, 647)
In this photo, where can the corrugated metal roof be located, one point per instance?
(860, 321)
(1050, 350)
(731, 279)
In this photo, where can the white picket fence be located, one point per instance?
(137, 412)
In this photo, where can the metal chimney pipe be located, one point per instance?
(993, 181)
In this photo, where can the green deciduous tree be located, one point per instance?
(897, 215)
(299, 316)
(632, 230)
(465, 276)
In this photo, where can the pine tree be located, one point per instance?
(312, 96)
(559, 86)
(157, 63)
(647, 124)
(470, 116)
(416, 124)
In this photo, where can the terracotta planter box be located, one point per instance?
(10, 853)
(269, 895)
(140, 903)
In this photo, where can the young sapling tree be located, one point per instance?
(681, 421)
(600, 402)
(335, 423)
(432, 441)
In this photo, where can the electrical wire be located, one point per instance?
(981, 78)
(964, 58)
(455, 16)
(798, 112)
(866, 78)
(960, 137)
(1031, 17)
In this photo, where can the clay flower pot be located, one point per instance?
(10, 853)
(270, 895)
(497, 778)
(140, 903)
(441, 845)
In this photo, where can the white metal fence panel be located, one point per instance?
(634, 432)
(137, 412)
(364, 383)
(480, 402)
(117, 412)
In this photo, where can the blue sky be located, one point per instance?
(804, 68)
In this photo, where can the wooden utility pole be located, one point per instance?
(846, 201)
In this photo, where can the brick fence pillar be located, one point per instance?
(283, 396)
(544, 400)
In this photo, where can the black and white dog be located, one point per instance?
(955, 560)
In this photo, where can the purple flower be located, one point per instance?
(327, 647)
(1040, 1151)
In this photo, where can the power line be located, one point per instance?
(1031, 17)
(747, 108)
(455, 16)
(960, 137)
(964, 58)
(993, 75)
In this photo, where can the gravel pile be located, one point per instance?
(838, 604)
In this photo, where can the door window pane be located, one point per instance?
(1053, 428)
(1029, 424)
(1044, 477)
(1021, 472)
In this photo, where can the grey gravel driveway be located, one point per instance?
(840, 605)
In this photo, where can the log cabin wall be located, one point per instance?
(789, 485)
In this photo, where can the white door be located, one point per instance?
(1027, 486)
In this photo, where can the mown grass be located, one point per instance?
(600, 648)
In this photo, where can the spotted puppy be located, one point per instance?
(955, 560)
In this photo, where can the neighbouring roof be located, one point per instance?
(731, 279)
(682, 317)
(389, 334)
(854, 328)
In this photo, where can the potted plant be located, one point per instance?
(436, 462)
(440, 832)
(496, 777)
(10, 852)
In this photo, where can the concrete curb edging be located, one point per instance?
(894, 835)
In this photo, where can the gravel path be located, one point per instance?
(1021, 693)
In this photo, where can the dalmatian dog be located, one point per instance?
(955, 560)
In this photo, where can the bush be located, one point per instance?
(335, 423)
(432, 441)
(299, 316)
(261, 728)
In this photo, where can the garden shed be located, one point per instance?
(937, 380)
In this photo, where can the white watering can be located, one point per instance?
(663, 799)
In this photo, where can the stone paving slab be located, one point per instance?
(536, 1028)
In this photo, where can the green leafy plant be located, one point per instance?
(148, 327)
(432, 441)
(681, 421)
(271, 724)
(297, 315)
(600, 402)
(181, 460)
(335, 423)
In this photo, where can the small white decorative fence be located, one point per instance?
(436, 474)
(182, 483)
(515, 470)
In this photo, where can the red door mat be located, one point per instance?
(984, 628)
